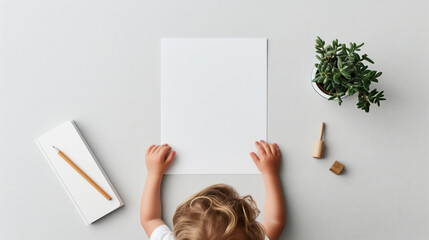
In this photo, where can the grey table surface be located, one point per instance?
(98, 62)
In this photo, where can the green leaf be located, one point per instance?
(339, 99)
(367, 59)
(366, 87)
(328, 87)
(345, 74)
(318, 79)
(325, 80)
(318, 40)
(339, 63)
(330, 52)
(336, 76)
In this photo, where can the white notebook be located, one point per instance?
(89, 202)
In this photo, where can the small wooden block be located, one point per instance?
(337, 168)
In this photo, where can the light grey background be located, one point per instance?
(98, 62)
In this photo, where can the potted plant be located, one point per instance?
(341, 71)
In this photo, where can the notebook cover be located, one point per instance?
(90, 204)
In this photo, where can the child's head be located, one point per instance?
(217, 212)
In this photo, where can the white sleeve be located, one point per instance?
(162, 233)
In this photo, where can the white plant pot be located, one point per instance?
(316, 87)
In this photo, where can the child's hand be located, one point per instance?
(268, 161)
(158, 159)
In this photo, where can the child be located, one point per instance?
(217, 212)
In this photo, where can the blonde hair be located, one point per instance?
(217, 213)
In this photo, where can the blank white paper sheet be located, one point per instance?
(213, 103)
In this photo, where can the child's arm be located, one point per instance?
(158, 159)
(268, 163)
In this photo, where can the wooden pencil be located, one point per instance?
(83, 174)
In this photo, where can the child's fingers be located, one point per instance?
(260, 148)
(277, 149)
(170, 158)
(273, 149)
(255, 158)
(266, 147)
(164, 150)
(160, 147)
(154, 149)
(149, 149)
